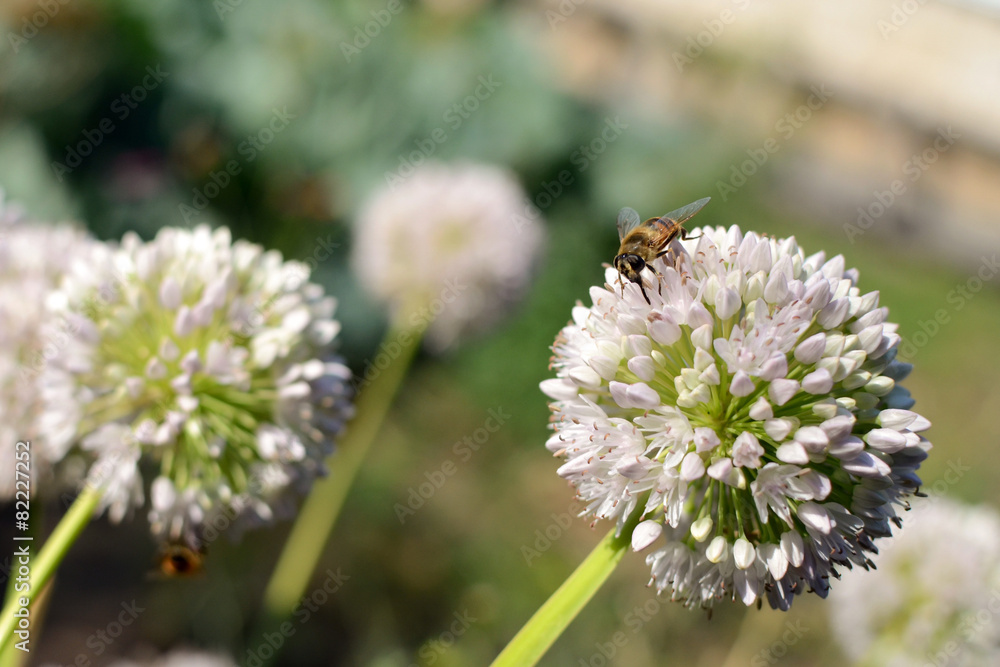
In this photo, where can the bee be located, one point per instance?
(642, 243)
(179, 559)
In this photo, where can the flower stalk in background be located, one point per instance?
(448, 251)
(935, 598)
(750, 415)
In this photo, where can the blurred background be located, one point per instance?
(864, 128)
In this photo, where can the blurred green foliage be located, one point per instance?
(357, 116)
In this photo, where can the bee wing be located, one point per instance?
(628, 219)
(685, 213)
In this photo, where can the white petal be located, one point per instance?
(793, 548)
(747, 586)
(634, 467)
(885, 440)
(847, 448)
(813, 438)
(170, 293)
(775, 367)
(761, 410)
(815, 516)
(162, 494)
(698, 316)
(692, 467)
(778, 429)
(747, 450)
(643, 366)
(705, 439)
(866, 465)
(792, 452)
(744, 553)
(720, 469)
(717, 549)
(897, 420)
(838, 427)
(645, 534)
(741, 385)
(664, 331)
(585, 377)
(702, 337)
(818, 382)
(643, 396)
(727, 303)
(834, 314)
(776, 289)
(710, 375)
(190, 363)
(155, 369)
(871, 337)
(775, 559)
(183, 324)
(811, 349)
(703, 359)
(168, 349)
(782, 390)
(702, 528)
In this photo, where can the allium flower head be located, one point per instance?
(454, 241)
(935, 595)
(33, 257)
(208, 362)
(751, 412)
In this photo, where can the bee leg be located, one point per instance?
(659, 283)
(670, 260)
(685, 237)
(642, 288)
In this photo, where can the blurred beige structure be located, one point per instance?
(910, 134)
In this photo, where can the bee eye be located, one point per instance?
(636, 262)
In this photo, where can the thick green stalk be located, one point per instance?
(319, 513)
(552, 618)
(44, 565)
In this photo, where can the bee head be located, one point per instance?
(630, 266)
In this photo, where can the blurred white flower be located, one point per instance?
(181, 658)
(33, 258)
(751, 408)
(935, 598)
(454, 242)
(211, 360)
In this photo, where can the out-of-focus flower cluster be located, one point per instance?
(454, 244)
(33, 258)
(751, 413)
(209, 359)
(937, 594)
(190, 369)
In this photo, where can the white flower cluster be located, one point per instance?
(751, 414)
(33, 257)
(207, 361)
(454, 242)
(936, 596)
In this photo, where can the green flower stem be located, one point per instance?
(43, 567)
(319, 513)
(552, 618)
